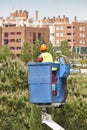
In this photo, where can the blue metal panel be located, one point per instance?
(64, 70)
(39, 80)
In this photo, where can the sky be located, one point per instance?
(46, 8)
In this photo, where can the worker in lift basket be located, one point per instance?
(47, 57)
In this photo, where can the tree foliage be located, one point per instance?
(26, 52)
(36, 50)
(65, 48)
(35, 118)
(16, 112)
(14, 96)
(73, 116)
(5, 53)
(51, 49)
(13, 75)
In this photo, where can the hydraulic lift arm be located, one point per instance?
(47, 119)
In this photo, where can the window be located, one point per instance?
(69, 40)
(18, 33)
(59, 28)
(39, 35)
(5, 41)
(34, 36)
(68, 33)
(68, 27)
(82, 35)
(59, 41)
(12, 48)
(57, 34)
(82, 28)
(61, 34)
(82, 41)
(6, 34)
(18, 55)
(18, 40)
(18, 48)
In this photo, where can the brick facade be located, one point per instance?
(14, 37)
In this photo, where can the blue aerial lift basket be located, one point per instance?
(40, 81)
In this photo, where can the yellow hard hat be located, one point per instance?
(43, 47)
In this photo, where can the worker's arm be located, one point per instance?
(39, 59)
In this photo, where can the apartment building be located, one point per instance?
(79, 36)
(18, 28)
(54, 29)
(21, 18)
(14, 37)
(61, 29)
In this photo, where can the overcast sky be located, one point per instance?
(48, 8)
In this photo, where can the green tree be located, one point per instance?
(16, 113)
(65, 48)
(36, 50)
(26, 52)
(73, 116)
(82, 61)
(42, 40)
(35, 118)
(5, 53)
(13, 75)
(14, 96)
(51, 49)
